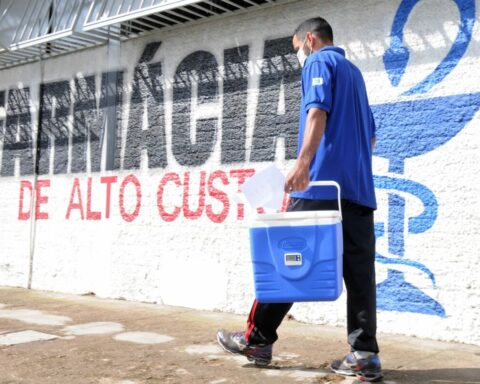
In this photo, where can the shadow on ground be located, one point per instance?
(436, 376)
(431, 376)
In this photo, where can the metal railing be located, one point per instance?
(34, 29)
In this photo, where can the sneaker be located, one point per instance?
(234, 342)
(367, 369)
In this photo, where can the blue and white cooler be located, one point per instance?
(297, 256)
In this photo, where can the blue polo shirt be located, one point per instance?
(332, 83)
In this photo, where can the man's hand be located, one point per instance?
(298, 179)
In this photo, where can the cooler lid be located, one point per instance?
(296, 218)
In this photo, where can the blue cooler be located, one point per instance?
(297, 256)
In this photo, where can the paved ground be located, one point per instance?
(118, 342)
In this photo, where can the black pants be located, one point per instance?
(358, 274)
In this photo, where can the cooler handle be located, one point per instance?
(329, 183)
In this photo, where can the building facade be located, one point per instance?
(120, 162)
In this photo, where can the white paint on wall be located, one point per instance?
(200, 264)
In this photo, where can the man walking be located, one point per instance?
(335, 142)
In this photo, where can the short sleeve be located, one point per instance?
(317, 80)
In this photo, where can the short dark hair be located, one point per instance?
(318, 26)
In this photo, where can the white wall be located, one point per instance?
(200, 263)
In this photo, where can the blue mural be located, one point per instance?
(396, 57)
(407, 129)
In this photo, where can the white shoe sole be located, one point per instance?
(343, 372)
(258, 361)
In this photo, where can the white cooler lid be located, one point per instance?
(295, 218)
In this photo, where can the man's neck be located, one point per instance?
(330, 44)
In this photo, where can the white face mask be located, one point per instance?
(301, 56)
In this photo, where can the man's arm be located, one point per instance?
(299, 178)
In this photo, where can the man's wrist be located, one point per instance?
(304, 160)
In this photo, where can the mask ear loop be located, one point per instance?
(304, 42)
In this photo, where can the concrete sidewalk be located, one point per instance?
(104, 341)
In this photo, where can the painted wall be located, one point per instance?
(198, 110)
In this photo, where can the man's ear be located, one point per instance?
(310, 37)
(311, 40)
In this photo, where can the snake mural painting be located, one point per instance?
(412, 128)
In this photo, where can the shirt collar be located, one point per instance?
(333, 48)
